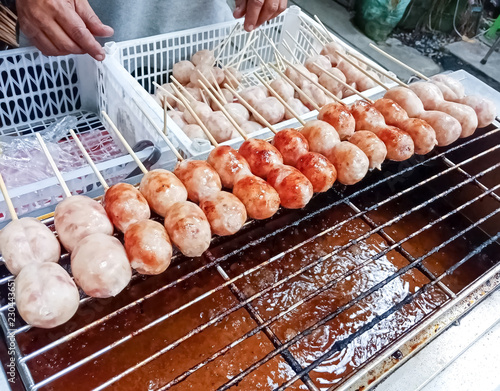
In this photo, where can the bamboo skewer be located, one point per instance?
(168, 93)
(184, 91)
(89, 160)
(304, 52)
(350, 88)
(314, 34)
(327, 92)
(282, 101)
(230, 76)
(197, 119)
(394, 59)
(250, 41)
(296, 88)
(125, 143)
(162, 134)
(224, 111)
(364, 71)
(57, 173)
(250, 108)
(289, 49)
(165, 117)
(8, 201)
(328, 33)
(225, 42)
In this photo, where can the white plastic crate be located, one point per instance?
(151, 59)
(36, 91)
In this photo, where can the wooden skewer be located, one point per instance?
(53, 165)
(308, 28)
(289, 50)
(279, 61)
(184, 91)
(250, 108)
(225, 42)
(224, 111)
(282, 101)
(204, 83)
(296, 88)
(125, 143)
(162, 134)
(165, 117)
(167, 105)
(8, 201)
(167, 92)
(350, 88)
(231, 76)
(89, 160)
(250, 41)
(421, 75)
(327, 92)
(304, 52)
(311, 45)
(262, 62)
(197, 119)
(364, 71)
(328, 33)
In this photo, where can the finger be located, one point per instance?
(45, 45)
(74, 27)
(91, 20)
(268, 10)
(282, 7)
(241, 9)
(60, 39)
(254, 8)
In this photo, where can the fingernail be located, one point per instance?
(237, 9)
(251, 27)
(99, 57)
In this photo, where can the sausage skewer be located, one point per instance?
(294, 189)
(185, 222)
(146, 242)
(260, 199)
(98, 260)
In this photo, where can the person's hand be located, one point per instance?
(60, 27)
(258, 11)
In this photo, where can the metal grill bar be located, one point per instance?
(161, 319)
(302, 270)
(338, 345)
(331, 316)
(326, 286)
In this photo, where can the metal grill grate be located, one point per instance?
(302, 301)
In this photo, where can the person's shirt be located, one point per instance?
(136, 19)
(142, 18)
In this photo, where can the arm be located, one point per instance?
(60, 27)
(258, 11)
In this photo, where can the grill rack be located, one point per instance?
(245, 302)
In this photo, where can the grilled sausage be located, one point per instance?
(374, 148)
(125, 205)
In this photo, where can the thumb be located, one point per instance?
(240, 9)
(93, 23)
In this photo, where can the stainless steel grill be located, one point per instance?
(312, 299)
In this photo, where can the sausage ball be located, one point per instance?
(292, 145)
(297, 106)
(79, 216)
(238, 112)
(315, 94)
(27, 241)
(182, 71)
(100, 266)
(293, 187)
(46, 296)
(125, 205)
(366, 116)
(220, 127)
(485, 109)
(430, 94)
(251, 126)
(254, 94)
(261, 200)
(399, 144)
(447, 128)
(320, 135)
(422, 134)
(228, 163)
(148, 247)
(393, 113)
(194, 132)
(261, 156)
(318, 64)
(407, 99)
(178, 118)
(340, 118)
(332, 85)
(162, 189)
(199, 178)
(188, 228)
(271, 109)
(374, 148)
(283, 89)
(350, 162)
(201, 109)
(203, 57)
(319, 170)
(225, 213)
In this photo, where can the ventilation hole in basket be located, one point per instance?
(21, 106)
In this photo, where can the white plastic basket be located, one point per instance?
(36, 91)
(151, 59)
